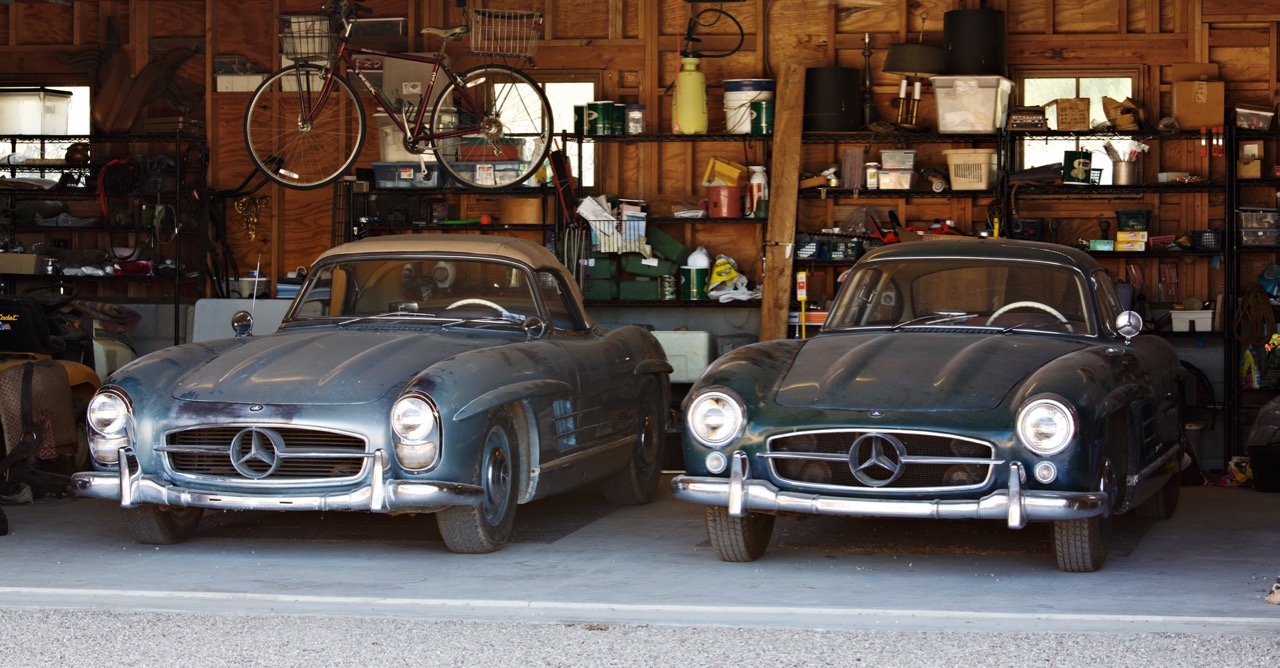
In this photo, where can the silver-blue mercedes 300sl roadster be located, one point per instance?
(965, 379)
(449, 374)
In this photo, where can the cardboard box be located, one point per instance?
(689, 353)
(1249, 160)
(1131, 246)
(1130, 236)
(1198, 104)
(18, 263)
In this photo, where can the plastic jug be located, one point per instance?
(757, 192)
(699, 259)
(689, 104)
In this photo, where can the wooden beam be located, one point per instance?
(784, 179)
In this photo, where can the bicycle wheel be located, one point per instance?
(299, 136)
(494, 130)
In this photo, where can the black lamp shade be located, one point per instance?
(915, 60)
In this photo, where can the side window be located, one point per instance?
(558, 300)
(1108, 301)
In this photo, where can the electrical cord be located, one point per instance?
(696, 22)
(1254, 322)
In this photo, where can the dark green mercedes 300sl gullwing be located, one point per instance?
(957, 379)
(449, 374)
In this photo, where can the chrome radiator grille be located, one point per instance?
(891, 460)
(286, 453)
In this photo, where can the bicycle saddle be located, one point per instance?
(446, 33)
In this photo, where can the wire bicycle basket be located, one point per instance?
(504, 33)
(306, 37)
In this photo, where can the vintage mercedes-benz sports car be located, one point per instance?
(447, 374)
(953, 379)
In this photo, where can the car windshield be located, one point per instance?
(1005, 295)
(440, 290)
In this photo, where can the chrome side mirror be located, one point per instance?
(534, 327)
(1129, 325)
(242, 323)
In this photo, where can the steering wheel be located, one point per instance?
(1029, 304)
(54, 295)
(475, 302)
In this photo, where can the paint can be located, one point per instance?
(600, 118)
(1076, 167)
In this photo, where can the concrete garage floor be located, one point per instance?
(578, 560)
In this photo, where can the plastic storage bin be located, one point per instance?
(969, 103)
(689, 353)
(34, 111)
(1253, 219)
(405, 175)
(972, 168)
(1259, 237)
(1192, 321)
(898, 159)
(1133, 221)
(896, 179)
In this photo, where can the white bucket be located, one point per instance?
(738, 96)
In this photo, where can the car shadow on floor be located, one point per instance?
(924, 536)
(540, 522)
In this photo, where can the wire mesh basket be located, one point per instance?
(504, 33)
(306, 37)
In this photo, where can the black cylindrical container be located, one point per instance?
(973, 40)
(832, 99)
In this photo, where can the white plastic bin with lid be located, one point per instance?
(34, 111)
(971, 103)
(689, 353)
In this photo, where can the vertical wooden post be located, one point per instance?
(784, 179)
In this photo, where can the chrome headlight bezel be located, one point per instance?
(1047, 425)
(415, 430)
(109, 418)
(717, 405)
(109, 413)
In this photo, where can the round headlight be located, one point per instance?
(1046, 426)
(413, 418)
(108, 414)
(716, 418)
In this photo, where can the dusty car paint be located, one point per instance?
(841, 422)
(526, 403)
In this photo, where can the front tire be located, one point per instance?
(636, 484)
(1081, 545)
(291, 141)
(738, 539)
(486, 526)
(161, 525)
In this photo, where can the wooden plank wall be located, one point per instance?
(632, 46)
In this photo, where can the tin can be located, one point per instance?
(667, 287)
(599, 118)
(580, 119)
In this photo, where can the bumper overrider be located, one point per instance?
(1015, 505)
(380, 495)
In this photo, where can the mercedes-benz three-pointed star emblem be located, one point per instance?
(876, 459)
(255, 452)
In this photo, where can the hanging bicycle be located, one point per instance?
(489, 128)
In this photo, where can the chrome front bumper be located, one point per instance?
(132, 488)
(1016, 506)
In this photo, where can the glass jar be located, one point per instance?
(634, 124)
(873, 176)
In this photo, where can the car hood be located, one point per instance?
(915, 371)
(323, 367)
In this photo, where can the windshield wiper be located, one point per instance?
(393, 314)
(932, 319)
